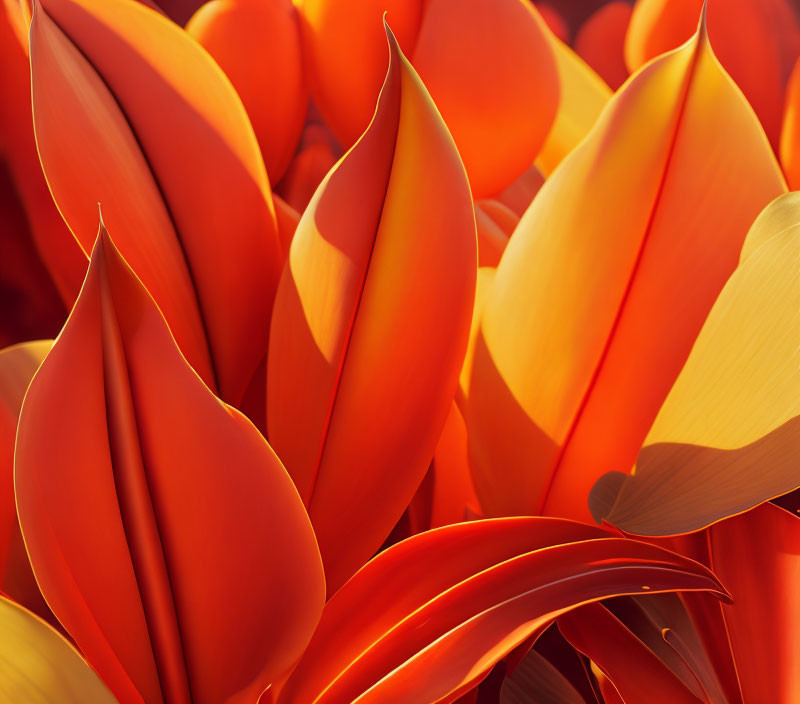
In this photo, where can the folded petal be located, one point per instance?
(636, 671)
(257, 44)
(131, 113)
(607, 280)
(728, 435)
(371, 322)
(163, 531)
(38, 665)
(757, 41)
(756, 557)
(18, 364)
(426, 619)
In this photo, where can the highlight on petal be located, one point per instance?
(488, 65)
(756, 41)
(582, 97)
(163, 531)
(601, 41)
(370, 324)
(257, 44)
(131, 113)
(39, 666)
(728, 435)
(607, 280)
(637, 673)
(60, 253)
(426, 620)
(18, 364)
(756, 556)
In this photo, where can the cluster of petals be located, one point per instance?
(399, 352)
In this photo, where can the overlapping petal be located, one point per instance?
(426, 619)
(536, 681)
(607, 281)
(257, 44)
(757, 41)
(39, 666)
(488, 64)
(163, 531)
(601, 41)
(756, 556)
(728, 435)
(371, 322)
(131, 113)
(18, 364)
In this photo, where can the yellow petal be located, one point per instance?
(39, 666)
(728, 435)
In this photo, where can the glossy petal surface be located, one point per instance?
(728, 435)
(426, 619)
(607, 281)
(131, 113)
(257, 44)
(162, 529)
(371, 322)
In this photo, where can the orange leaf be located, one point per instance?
(162, 529)
(370, 324)
(426, 619)
(607, 280)
(257, 44)
(130, 112)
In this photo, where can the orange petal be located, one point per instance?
(453, 493)
(607, 280)
(601, 40)
(162, 529)
(490, 68)
(38, 665)
(637, 673)
(312, 162)
(257, 44)
(427, 618)
(582, 96)
(790, 130)
(371, 322)
(756, 556)
(487, 63)
(130, 112)
(345, 55)
(757, 41)
(60, 252)
(555, 22)
(728, 435)
(17, 366)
